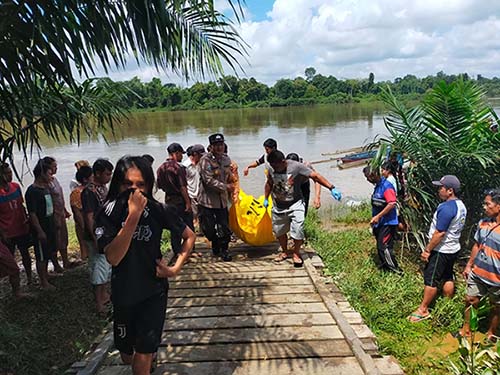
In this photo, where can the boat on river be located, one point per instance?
(356, 156)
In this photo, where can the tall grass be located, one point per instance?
(385, 299)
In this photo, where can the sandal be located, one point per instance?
(281, 257)
(416, 317)
(299, 263)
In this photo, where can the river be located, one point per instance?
(309, 131)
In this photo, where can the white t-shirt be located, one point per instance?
(450, 218)
(193, 178)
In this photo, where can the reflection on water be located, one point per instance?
(308, 131)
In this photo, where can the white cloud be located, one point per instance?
(351, 38)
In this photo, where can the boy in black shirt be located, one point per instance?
(128, 231)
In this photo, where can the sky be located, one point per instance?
(351, 38)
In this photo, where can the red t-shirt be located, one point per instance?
(13, 219)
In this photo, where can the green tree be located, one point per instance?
(310, 73)
(40, 42)
(283, 88)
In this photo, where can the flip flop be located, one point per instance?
(415, 317)
(492, 339)
(298, 264)
(281, 257)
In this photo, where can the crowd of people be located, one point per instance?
(482, 272)
(119, 229)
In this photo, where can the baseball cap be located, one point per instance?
(449, 181)
(216, 138)
(195, 149)
(175, 147)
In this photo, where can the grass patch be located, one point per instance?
(45, 334)
(383, 299)
(49, 331)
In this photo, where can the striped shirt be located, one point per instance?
(487, 261)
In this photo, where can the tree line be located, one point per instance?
(312, 88)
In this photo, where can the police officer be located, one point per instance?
(215, 187)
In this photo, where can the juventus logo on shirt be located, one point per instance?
(122, 330)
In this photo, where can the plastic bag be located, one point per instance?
(251, 221)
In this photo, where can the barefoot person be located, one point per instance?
(483, 268)
(442, 250)
(13, 219)
(41, 214)
(284, 181)
(10, 269)
(128, 231)
(60, 216)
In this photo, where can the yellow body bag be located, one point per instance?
(251, 221)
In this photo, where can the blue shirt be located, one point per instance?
(383, 194)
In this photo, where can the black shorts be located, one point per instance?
(138, 328)
(23, 242)
(439, 268)
(44, 251)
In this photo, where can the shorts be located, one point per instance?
(194, 207)
(23, 242)
(439, 268)
(8, 265)
(45, 250)
(138, 328)
(99, 268)
(290, 219)
(478, 288)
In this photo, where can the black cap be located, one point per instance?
(195, 149)
(175, 147)
(216, 138)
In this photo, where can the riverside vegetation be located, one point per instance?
(312, 88)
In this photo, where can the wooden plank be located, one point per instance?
(254, 265)
(274, 273)
(295, 366)
(235, 300)
(241, 335)
(250, 321)
(263, 309)
(242, 291)
(353, 317)
(249, 283)
(254, 351)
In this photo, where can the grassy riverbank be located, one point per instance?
(343, 240)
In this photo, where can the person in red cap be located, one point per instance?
(442, 249)
(215, 187)
(171, 178)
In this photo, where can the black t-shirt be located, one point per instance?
(93, 197)
(39, 202)
(134, 278)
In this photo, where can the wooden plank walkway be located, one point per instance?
(253, 316)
